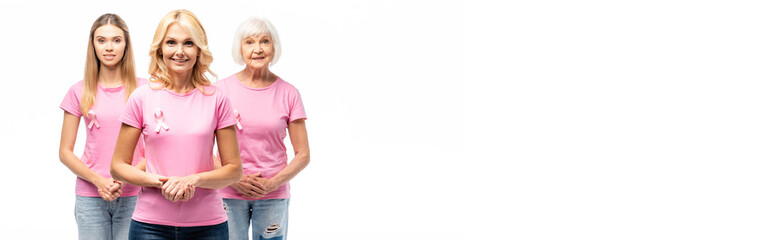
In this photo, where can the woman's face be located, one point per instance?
(178, 50)
(257, 51)
(109, 44)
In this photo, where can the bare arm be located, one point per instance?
(141, 165)
(121, 167)
(107, 188)
(300, 141)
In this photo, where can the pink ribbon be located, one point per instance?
(93, 117)
(238, 119)
(160, 120)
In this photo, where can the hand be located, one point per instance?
(180, 188)
(117, 187)
(155, 180)
(246, 189)
(108, 188)
(253, 186)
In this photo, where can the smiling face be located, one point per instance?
(178, 50)
(109, 45)
(257, 51)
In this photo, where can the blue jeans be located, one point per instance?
(143, 231)
(100, 219)
(268, 217)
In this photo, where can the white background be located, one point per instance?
(455, 120)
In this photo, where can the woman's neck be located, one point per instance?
(256, 78)
(110, 76)
(181, 83)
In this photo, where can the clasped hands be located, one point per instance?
(253, 186)
(177, 188)
(183, 188)
(109, 189)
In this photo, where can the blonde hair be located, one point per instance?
(159, 72)
(91, 74)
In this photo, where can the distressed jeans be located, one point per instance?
(267, 217)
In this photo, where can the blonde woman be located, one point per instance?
(103, 205)
(179, 114)
(267, 108)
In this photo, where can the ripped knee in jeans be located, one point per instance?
(271, 231)
(274, 227)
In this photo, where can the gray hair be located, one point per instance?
(251, 27)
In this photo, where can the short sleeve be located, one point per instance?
(296, 106)
(141, 82)
(225, 114)
(71, 102)
(132, 113)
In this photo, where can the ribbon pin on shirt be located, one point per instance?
(93, 117)
(160, 120)
(238, 119)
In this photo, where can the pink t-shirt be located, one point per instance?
(179, 132)
(101, 134)
(263, 114)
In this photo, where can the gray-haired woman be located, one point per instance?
(267, 108)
